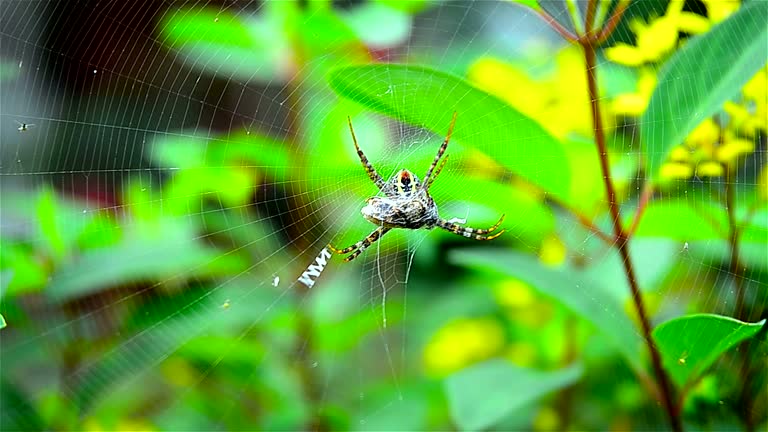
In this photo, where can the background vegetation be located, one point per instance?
(157, 214)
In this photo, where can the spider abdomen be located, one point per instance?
(413, 212)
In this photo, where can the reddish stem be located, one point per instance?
(622, 242)
(564, 32)
(645, 197)
(613, 21)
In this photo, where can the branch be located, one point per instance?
(622, 241)
(564, 32)
(610, 26)
(645, 197)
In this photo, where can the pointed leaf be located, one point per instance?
(690, 344)
(482, 395)
(428, 98)
(705, 73)
(161, 329)
(584, 296)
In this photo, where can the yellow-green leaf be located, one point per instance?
(482, 395)
(706, 72)
(690, 344)
(428, 98)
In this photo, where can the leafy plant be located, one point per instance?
(628, 291)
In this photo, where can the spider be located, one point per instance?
(407, 204)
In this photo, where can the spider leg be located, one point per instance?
(362, 245)
(369, 169)
(473, 233)
(440, 151)
(437, 173)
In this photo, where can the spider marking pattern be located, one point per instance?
(406, 203)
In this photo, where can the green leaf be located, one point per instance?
(27, 273)
(188, 25)
(409, 6)
(690, 344)
(18, 411)
(221, 42)
(428, 98)
(102, 231)
(242, 149)
(533, 4)
(162, 327)
(394, 408)
(326, 42)
(161, 250)
(703, 224)
(482, 395)
(3, 324)
(704, 73)
(652, 259)
(683, 220)
(584, 296)
(47, 215)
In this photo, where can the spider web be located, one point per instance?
(153, 317)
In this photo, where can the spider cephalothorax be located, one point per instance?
(406, 203)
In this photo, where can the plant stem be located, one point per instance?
(745, 401)
(582, 219)
(622, 242)
(613, 21)
(564, 403)
(645, 197)
(564, 32)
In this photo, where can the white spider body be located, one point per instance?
(407, 204)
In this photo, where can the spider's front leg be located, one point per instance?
(362, 245)
(369, 169)
(437, 173)
(428, 176)
(474, 233)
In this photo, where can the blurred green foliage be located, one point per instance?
(177, 308)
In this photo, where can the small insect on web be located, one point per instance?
(23, 127)
(407, 204)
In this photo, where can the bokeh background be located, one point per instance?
(170, 169)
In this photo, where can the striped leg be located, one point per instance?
(437, 173)
(362, 245)
(369, 169)
(473, 233)
(440, 152)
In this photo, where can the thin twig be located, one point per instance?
(621, 237)
(645, 197)
(584, 221)
(589, 21)
(564, 403)
(613, 21)
(564, 32)
(580, 217)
